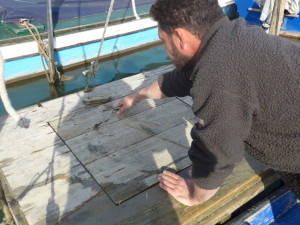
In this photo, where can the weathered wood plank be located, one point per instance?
(154, 206)
(132, 170)
(25, 141)
(49, 184)
(37, 168)
(188, 100)
(105, 140)
(35, 114)
(84, 120)
(224, 212)
(179, 134)
(162, 117)
(246, 174)
(58, 199)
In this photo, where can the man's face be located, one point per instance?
(174, 54)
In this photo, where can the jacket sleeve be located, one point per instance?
(175, 83)
(224, 122)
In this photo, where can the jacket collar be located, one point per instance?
(212, 31)
(205, 42)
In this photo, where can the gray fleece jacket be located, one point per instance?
(246, 95)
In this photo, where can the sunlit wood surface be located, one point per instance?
(84, 164)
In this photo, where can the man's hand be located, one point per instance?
(184, 190)
(152, 91)
(128, 102)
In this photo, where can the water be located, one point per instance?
(37, 90)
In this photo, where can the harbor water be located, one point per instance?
(37, 90)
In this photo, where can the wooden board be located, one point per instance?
(104, 141)
(80, 122)
(188, 100)
(155, 206)
(44, 181)
(162, 117)
(180, 134)
(47, 183)
(132, 170)
(114, 145)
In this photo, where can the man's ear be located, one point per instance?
(186, 42)
(180, 39)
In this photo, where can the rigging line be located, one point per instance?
(134, 10)
(95, 64)
(95, 67)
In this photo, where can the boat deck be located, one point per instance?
(84, 164)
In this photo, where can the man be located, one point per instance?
(245, 87)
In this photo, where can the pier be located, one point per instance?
(84, 164)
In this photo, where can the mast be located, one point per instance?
(51, 64)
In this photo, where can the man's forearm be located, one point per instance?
(152, 91)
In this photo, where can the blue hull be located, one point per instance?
(282, 208)
(31, 65)
(291, 24)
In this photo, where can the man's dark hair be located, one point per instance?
(196, 16)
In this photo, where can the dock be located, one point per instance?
(84, 164)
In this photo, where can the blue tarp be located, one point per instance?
(13, 10)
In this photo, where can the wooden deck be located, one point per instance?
(79, 164)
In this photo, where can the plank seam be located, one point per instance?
(102, 190)
(180, 99)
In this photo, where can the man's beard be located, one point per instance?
(179, 60)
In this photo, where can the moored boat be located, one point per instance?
(78, 29)
(281, 208)
(251, 12)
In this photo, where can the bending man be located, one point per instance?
(245, 86)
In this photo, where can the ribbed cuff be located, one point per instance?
(211, 180)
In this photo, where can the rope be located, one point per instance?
(134, 10)
(95, 64)
(22, 122)
(42, 49)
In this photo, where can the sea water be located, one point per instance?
(38, 90)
